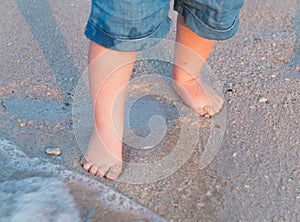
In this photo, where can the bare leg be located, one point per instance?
(109, 74)
(190, 54)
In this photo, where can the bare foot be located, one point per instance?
(104, 155)
(109, 74)
(199, 96)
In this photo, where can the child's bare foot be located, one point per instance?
(191, 52)
(198, 96)
(109, 74)
(104, 155)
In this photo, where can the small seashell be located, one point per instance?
(262, 100)
(247, 186)
(218, 187)
(284, 60)
(208, 193)
(22, 125)
(283, 188)
(201, 204)
(55, 151)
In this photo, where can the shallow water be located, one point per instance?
(34, 190)
(37, 198)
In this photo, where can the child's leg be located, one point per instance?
(190, 54)
(125, 26)
(109, 73)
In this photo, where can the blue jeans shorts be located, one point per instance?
(133, 25)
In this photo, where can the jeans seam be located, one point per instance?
(119, 37)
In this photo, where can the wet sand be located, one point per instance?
(254, 176)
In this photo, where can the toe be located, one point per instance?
(114, 172)
(93, 170)
(203, 111)
(86, 165)
(217, 108)
(102, 170)
(82, 161)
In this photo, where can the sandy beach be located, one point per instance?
(242, 165)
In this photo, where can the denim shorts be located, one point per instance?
(133, 25)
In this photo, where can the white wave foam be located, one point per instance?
(37, 199)
(35, 190)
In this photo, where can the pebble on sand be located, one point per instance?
(55, 151)
(22, 125)
(218, 187)
(262, 100)
(247, 187)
